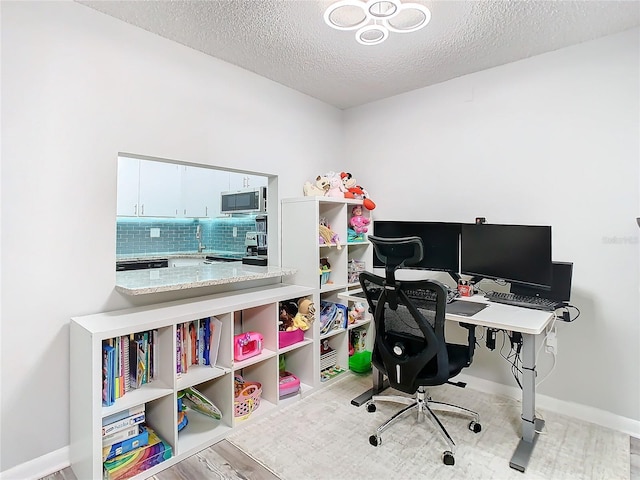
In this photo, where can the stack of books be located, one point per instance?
(123, 431)
(139, 459)
(129, 446)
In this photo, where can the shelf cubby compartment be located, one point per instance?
(298, 362)
(265, 373)
(201, 428)
(339, 356)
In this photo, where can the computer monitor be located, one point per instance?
(560, 284)
(440, 241)
(514, 253)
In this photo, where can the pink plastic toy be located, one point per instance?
(247, 345)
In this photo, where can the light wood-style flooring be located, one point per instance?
(224, 461)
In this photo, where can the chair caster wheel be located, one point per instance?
(375, 440)
(475, 427)
(371, 407)
(448, 459)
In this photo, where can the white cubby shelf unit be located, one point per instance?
(302, 250)
(254, 309)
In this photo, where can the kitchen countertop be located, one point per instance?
(155, 280)
(160, 255)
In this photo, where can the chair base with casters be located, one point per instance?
(423, 406)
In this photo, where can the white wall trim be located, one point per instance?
(569, 409)
(39, 467)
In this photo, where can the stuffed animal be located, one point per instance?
(306, 314)
(336, 187)
(359, 222)
(356, 191)
(286, 320)
(317, 189)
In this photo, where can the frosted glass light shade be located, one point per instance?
(374, 19)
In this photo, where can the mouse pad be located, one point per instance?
(465, 309)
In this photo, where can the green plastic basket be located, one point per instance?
(360, 362)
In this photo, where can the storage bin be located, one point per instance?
(289, 338)
(246, 397)
(289, 385)
(360, 362)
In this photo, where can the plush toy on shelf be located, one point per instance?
(336, 187)
(306, 314)
(317, 189)
(358, 221)
(356, 191)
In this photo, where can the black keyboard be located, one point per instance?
(430, 295)
(525, 301)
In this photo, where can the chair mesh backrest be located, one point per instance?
(409, 345)
(416, 327)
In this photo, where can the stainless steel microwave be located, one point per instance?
(249, 200)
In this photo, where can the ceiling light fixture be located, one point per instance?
(374, 19)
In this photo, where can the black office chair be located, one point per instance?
(410, 347)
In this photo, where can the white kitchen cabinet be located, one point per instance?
(240, 181)
(148, 188)
(160, 189)
(128, 186)
(199, 192)
(250, 310)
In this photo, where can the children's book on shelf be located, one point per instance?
(209, 332)
(123, 423)
(127, 445)
(112, 438)
(138, 460)
(127, 412)
(108, 374)
(136, 362)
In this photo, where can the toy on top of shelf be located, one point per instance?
(358, 221)
(317, 189)
(336, 187)
(356, 191)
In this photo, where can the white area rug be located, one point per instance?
(325, 437)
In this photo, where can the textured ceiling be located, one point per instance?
(287, 40)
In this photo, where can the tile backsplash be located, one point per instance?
(133, 235)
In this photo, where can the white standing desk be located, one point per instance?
(529, 323)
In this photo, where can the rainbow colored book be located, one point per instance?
(138, 460)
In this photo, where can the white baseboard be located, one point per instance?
(59, 459)
(568, 409)
(39, 467)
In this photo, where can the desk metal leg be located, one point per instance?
(530, 424)
(379, 384)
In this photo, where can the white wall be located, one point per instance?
(77, 88)
(554, 140)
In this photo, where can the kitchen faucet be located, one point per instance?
(201, 247)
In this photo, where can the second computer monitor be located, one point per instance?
(440, 241)
(514, 253)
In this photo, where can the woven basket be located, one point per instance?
(246, 397)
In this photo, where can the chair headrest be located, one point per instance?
(397, 252)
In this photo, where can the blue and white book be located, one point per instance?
(140, 440)
(120, 436)
(123, 424)
(114, 417)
